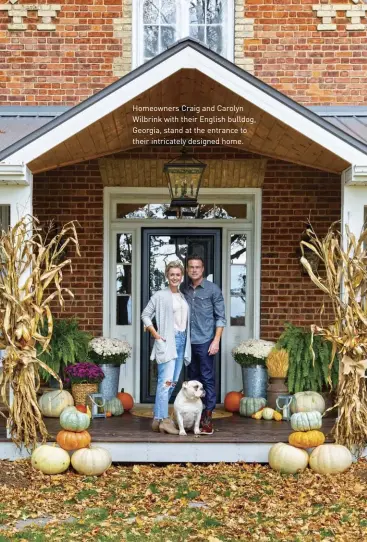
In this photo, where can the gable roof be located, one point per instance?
(200, 58)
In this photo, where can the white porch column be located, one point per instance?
(16, 191)
(354, 201)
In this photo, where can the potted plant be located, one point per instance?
(251, 355)
(110, 354)
(309, 360)
(277, 364)
(68, 345)
(84, 379)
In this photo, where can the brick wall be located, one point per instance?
(311, 65)
(61, 66)
(290, 194)
(76, 193)
(86, 44)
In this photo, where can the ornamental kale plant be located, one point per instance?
(84, 373)
(104, 350)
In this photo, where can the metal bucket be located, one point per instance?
(255, 381)
(109, 386)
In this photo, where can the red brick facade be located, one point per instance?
(65, 66)
(290, 195)
(309, 65)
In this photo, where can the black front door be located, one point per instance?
(160, 246)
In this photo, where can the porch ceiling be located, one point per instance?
(113, 133)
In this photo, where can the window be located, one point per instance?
(208, 211)
(123, 279)
(238, 279)
(4, 217)
(163, 22)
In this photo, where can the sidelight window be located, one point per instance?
(238, 273)
(123, 279)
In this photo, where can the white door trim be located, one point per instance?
(131, 372)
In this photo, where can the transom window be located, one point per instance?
(163, 22)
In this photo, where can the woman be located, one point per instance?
(172, 342)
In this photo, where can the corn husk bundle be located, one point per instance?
(277, 363)
(344, 281)
(31, 267)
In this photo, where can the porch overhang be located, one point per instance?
(188, 74)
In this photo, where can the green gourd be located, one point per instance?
(250, 405)
(114, 406)
(73, 420)
(306, 421)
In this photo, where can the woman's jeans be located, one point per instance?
(168, 375)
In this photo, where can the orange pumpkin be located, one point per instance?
(108, 414)
(81, 408)
(126, 400)
(68, 440)
(232, 401)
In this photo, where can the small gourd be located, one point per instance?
(258, 415)
(268, 413)
(277, 416)
(114, 406)
(306, 439)
(73, 420)
(306, 421)
(250, 405)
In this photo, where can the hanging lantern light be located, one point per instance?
(184, 175)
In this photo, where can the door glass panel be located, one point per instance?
(238, 248)
(124, 248)
(238, 279)
(123, 279)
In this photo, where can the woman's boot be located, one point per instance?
(167, 426)
(155, 425)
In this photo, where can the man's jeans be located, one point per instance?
(168, 375)
(202, 368)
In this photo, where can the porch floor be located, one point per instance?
(130, 439)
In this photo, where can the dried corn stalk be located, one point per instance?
(344, 281)
(31, 267)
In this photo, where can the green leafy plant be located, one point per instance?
(305, 373)
(68, 345)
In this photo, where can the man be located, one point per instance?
(207, 322)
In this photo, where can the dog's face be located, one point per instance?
(193, 389)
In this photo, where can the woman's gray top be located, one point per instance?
(160, 306)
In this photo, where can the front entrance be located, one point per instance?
(159, 247)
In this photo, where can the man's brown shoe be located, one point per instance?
(207, 423)
(167, 426)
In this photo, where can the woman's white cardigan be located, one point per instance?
(160, 306)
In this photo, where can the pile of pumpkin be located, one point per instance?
(74, 439)
(306, 422)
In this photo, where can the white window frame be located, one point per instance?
(183, 30)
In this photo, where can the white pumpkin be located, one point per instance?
(91, 461)
(53, 403)
(287, 459)
(268, 413)
(306, 421)
(330, 459)
(50, 459)
(306, 401)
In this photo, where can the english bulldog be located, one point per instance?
(188, 406)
